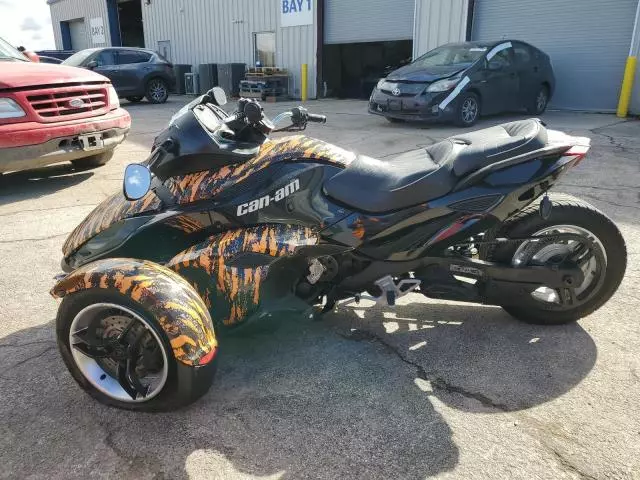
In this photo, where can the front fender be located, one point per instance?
(176, 306)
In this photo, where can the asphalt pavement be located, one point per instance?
(426, 389)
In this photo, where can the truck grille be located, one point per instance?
(70, 101)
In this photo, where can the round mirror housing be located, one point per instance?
(219, 96)
(137, 181)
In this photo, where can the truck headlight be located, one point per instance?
(443, 85)
(114, 100)
(9, 108)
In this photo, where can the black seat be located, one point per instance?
(418, 176)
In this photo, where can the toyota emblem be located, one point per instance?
(396, 91)
(76, 103)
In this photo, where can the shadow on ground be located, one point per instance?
(40, 182)
(295, 400)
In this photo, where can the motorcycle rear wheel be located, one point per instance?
(603, 273)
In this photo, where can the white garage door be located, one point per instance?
(353, 21)
(588, 42)
(78, 34)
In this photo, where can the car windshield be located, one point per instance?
(78, 58)
(9, 53)
(450, 55)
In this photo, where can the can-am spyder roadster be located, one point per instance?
(222, 225)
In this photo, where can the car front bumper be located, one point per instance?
(32, 145)
(424, 107)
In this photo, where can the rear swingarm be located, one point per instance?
(466, 279)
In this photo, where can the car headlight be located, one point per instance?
(10, 109)
(443, 85)
(114, 100)
(380, 83)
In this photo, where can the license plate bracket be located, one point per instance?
(91, 142)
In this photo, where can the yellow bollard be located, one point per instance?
(627, 87)
(305, 80)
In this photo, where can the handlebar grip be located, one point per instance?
(317, 118)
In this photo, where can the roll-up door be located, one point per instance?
(588, 42)
(355, 21)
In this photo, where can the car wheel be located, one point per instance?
(468, 110)
(538, 104)
(93, 161)
(135, 99)
(394, 120)
(157, 91)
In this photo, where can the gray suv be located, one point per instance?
(135, 73)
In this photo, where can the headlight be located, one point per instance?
(10, 109)
(114, 100)
(443, 85)
(380, 83)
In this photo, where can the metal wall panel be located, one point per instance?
(221, 31)
(63, 10)
(438, 22)
(588, 42)
(354, 21)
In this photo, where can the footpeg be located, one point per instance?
(392, 291)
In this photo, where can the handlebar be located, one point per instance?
(317, 118)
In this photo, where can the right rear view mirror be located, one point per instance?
(219, 96)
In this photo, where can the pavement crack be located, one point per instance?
(27, 344)
(137, 463)
(22, 362)
(567, 465)
(436, 382)
(37, 239)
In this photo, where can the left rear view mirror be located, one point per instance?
(92, 64)
(137, 181)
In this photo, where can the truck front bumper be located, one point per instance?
(33, 145)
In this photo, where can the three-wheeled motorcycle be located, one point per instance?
(222, 225)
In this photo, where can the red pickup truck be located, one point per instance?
(53, 113)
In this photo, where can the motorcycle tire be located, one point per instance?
(571, 213)
(182, 384)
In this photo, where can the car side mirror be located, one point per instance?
(137, 181)
(92, 64)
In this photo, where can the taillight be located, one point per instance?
(578, 151)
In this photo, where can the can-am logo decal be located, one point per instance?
(265, 201)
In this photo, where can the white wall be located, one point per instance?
(221, 31)
(438, 22)
(63, 10)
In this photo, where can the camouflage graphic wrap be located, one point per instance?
(112, 210)
(207, 184)
(232, 293)
(175, 305)
(185, 223)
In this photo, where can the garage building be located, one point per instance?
(349, 44)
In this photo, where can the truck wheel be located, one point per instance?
(93, 161)
(157, 91)
(117, 352)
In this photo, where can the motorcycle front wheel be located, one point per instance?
(603, 266)
(117, 352)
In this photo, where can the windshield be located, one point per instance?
(459, 55)
(7, 52)
(78, 58)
